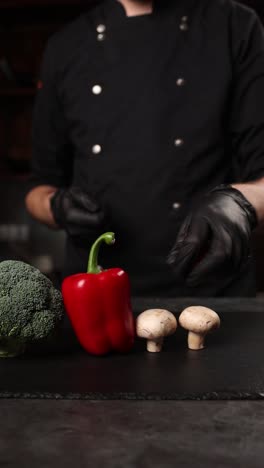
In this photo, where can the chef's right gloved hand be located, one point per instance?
(77, 213)
(213, 243)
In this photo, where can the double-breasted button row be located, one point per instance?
(184, 23)
(97, 90)
(101, 29)
(181, 81)
(178, 142)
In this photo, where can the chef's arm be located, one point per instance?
(38, 204)
(68, 208)
(254, 193)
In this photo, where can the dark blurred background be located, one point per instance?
(25, 26)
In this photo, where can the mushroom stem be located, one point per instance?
(155, 346)
(196, 340)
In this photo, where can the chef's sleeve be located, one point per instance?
(51, 162)
(247, 96)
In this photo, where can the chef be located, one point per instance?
(149, 122)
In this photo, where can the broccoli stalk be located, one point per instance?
(11, 347)
(30, 307)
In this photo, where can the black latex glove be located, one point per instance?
(77, 213)
(214, 239)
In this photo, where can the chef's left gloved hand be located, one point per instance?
(214, 238)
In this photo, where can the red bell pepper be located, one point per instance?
(98, 305)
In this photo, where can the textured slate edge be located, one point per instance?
(213, 396)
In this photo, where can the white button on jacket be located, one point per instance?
(101, 28)
(97, 89)
(180, 82)
(179, 142)
(96, 149)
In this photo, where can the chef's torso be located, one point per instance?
(146, 105)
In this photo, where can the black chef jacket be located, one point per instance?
(147, 113)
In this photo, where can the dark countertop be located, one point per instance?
(56, 414)
(123, 434)
(229, 368)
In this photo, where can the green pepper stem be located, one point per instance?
(108, 238)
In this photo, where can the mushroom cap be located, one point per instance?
(155, 323)
(198, 319)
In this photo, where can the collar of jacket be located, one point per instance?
(113, 12)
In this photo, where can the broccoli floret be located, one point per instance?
(31, 292)
(30, 307)
(13, 271)
(37, 327)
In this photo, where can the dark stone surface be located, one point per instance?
(66, 434)
(229, 368)
(140, 434)
(221, 304)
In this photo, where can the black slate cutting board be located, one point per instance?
(231, 367)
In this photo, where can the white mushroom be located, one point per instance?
(154, 325)
(198, 321)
